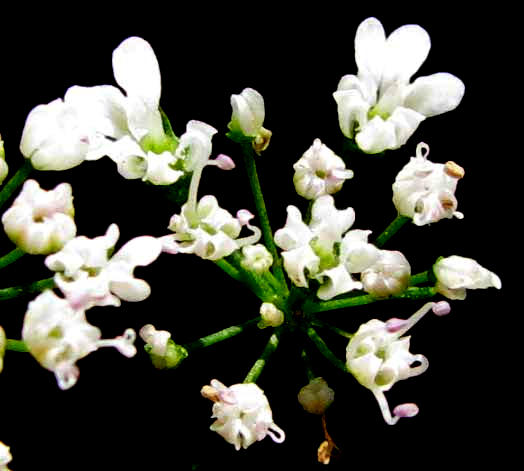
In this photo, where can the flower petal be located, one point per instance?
(136, 70)
(370, 47)
(406, 50)
(434, 94)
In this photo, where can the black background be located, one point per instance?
(123, 414)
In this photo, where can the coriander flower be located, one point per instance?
(456, 274)
(319, 172)
(202, 227)
(270, 315)
(248, 116)
(310, 251)
(88, 277)
(163, 351)
(256, 258)
(4, 169)
(5, 457)
(3, 345)
(425, 191)
(388, 275)
(40, 221)
(242, 414)
(378, 356)
(58, 335)
(379, 107)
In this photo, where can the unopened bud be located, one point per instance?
(271, 316)
(316, 396)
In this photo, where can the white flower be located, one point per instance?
(319, 172)
(88, 277)
(4, 169)
(156, 338)
(5, 457)
(242, 414)
(456, 274)
(256, 258)
(388, 275)
(248, 116)
(40, 221)
(3, 344)
(378, 356)
(425, 191)
(379, 107)
(310, 251)
(271, 316)
(58, 335)
(248, 112)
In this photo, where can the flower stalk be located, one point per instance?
(11, 257)
(36, 287)
(16, 180)
(259, 365)
(221, 335)
(391, 230)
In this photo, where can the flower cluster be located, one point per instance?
(318, 261)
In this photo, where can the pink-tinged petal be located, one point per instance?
(406, 50)
(136, 70)
(434, 94)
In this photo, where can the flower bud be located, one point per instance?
(271, 316)
(316, 396)
(388, 276)
(256, 258)
(3, 342)
(248, 112)
(164, 353)
(3, 165)
(39, 221)
(5, 457)
(456, 274)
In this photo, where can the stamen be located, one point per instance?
(124, 343)
(223, 162)
(422, 146)
(415, 318)
(441, 308)
(406, 410)
(280, 437)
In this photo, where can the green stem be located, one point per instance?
(410, 293)
(324, 349)
(391, 230)
(11, 257)
(333, 328)
(221, 335)
(16, 180)
(260, 205)
(270, 347)
(419, 278)
(229, 269)
(313, 306)
(307, 365)
(16, 346)
(37, 286)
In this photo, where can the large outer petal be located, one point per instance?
(136, 70)
(370, 46)
(406, 50)
(434, 94)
